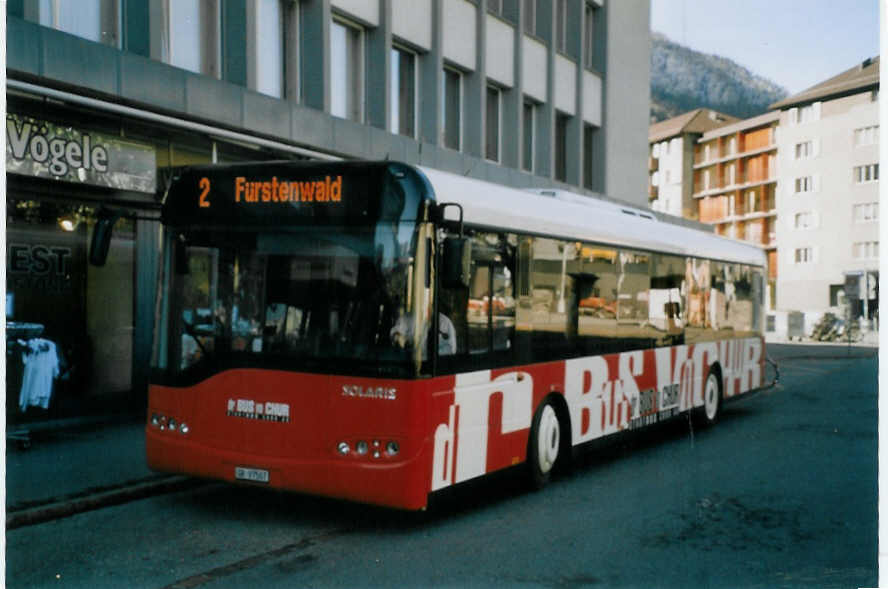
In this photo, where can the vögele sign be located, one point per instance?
(49, 150)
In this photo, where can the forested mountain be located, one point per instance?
(683, 79)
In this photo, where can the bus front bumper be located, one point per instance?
(402, 484)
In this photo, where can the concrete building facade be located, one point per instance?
(734, 185)
(828, 198)
(671, 148)
(106, 97)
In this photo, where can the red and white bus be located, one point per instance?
(298, 301)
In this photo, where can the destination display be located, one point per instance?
(280, 193)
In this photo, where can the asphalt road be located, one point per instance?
(781, 493)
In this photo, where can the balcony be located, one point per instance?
(715, 158)
(716, 188)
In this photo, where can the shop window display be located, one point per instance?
(69, 325)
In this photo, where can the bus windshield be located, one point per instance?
(321, 298)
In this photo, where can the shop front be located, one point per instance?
(77, 335)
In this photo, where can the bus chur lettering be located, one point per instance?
(647, 386)
(250, 409)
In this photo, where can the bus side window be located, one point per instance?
(503, 308)
(641, 295)
(490, 308)
(698, 279)
(668, 311)
(595, 270)
(546, 306)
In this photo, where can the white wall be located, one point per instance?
(591, 98)
(412, 21)
(500, 51)
(361, 9)
(565, 85)
(535, 68)
(627, 97)
(460, 33)
(805, 287)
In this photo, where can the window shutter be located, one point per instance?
(816, 146)
(793, 116)
(816, 180)
(815, 219)
(816, 111)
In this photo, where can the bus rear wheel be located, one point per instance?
(544, 445)
(711, 398)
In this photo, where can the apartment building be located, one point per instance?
(734, 185)
(828, 197)
(106, 97)
(671, 160)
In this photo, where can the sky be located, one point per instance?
(794, 43)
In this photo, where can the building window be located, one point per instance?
(751, 202)
(805, 114)
(193, 41)
(561, 25)
(866, 136)
(530, 16)
(492, 124)
(403, 89)
(804, 184)
(528, 121)
(346, 71)
(495, 7)
(95, 20)
(865, 250)
(866, 174)
(271, 47)
(866, 212)
(451, 106)
(589, 37)
(804, 150)
(561, 146)
(804, 255)
(589, 135)
(804, 220)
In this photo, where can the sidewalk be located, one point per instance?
(66, 471)
(870, 339)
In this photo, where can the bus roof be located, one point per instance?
(494, 205)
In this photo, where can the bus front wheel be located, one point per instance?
(544, 445)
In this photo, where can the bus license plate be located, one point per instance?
(255, 475)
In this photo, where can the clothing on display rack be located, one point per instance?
(41, 367)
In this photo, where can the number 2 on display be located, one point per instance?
(204, 192)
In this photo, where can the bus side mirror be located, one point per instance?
(456, 262)
(181, 258)
(101, 237)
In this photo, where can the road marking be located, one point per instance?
(251, 562)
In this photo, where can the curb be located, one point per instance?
(69, 507)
